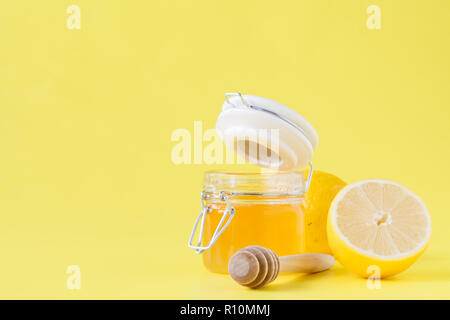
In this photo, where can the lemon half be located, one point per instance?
(377, 228)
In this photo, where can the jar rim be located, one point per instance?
(255, 183)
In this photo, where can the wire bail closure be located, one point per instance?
(229, 212)
(257, 108)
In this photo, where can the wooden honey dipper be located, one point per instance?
(255, 266)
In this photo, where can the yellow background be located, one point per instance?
(86, 116)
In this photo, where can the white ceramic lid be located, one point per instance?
(266, 133)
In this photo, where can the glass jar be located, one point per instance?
(242, 209)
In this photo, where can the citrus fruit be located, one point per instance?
(322, 190)
(377, 228)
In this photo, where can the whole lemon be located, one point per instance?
(316, 204)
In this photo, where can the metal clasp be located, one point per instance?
(229, 211)
(234, 94)
(258, 108)
(308, 180)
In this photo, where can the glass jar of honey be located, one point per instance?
(242, 209)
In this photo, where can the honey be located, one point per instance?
(276, 226)
(263, 209)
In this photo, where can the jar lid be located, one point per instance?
(266, 133)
